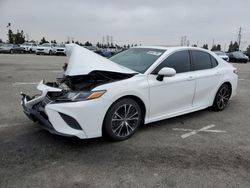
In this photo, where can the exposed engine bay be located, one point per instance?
(84, 82)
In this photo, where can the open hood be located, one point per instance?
(82, 61)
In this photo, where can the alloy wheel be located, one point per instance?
(223, 97)
(125, 120)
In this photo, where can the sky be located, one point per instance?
(146, 22)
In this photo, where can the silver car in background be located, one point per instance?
(59, 49)
(222, 55)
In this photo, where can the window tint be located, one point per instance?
(201, 60)
(214, 61)
(179, 61)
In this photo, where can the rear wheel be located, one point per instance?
(122, 119)
(222, 97)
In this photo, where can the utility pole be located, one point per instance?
(239, 36)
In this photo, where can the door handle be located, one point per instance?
(190, 78)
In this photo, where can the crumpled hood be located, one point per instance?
(82, 61)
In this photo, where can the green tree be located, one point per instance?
(87, 44)
(218, 47)
(233, 46)
(10, 37)
(53, 41)
(205, 46)
(248, 49)
(19, 37)
(43, 40)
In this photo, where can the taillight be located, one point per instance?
(235, 71)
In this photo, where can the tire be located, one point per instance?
(122, 119)
(222, 97)
(50, 52)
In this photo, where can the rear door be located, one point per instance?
(207, 77)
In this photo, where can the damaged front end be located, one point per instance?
(65, 90)
(60, 107)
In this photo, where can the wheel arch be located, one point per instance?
(137, 99)
(230, 86)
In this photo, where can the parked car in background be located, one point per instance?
(238, 56)
(222, 55)
(11, 48)
(59, 49)
(45, 48)
(113, 97)
(247, 54)
(29, 47)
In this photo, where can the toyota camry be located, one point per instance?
(113, 97)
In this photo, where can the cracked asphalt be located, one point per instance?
(156, 156)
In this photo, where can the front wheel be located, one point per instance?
(122, 119)
(222, 97)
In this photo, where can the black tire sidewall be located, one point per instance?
(107, 130)
(215, 105)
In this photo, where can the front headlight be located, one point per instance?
(81, 95)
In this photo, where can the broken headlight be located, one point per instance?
(80, 95)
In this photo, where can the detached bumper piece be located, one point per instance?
(36, 114)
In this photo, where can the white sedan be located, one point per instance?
(113, 97)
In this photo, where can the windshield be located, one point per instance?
(60, 45)
(137, 59)
(46, 44)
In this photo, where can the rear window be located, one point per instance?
(214, 61)
(201, 60)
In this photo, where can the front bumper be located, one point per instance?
(38, 116)
(82, 119)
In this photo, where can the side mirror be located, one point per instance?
(165, 72)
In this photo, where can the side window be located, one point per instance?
(180, 61)
(201, 60)
(214, 61)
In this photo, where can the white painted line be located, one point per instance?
(243, 79)
(193, 132)
(24, 83)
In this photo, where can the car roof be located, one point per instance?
(170, 47)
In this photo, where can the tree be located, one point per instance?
(248, 49)
(233, 46)
(216, 47)
(87, 44)
(17, 38)
(43, 40)
(53, 41)
(205, 46)
(10, 37)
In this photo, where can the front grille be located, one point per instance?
(60, 50)
(70, 121)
